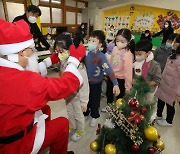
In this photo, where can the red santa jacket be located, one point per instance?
(24, 92)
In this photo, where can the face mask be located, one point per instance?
(32, 64)
(32, 19)
(63, 56)
(146, 34)
(166, 26)
(48, 38)
(121, 45)
(92, 47)
(168, 45)
(140, 58)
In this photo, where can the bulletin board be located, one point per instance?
(139, 18)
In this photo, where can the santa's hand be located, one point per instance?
(116, 90)
(54, 58)
(76, 54)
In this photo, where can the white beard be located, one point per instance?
(33, 64)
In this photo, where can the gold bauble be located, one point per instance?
(110, 149)
(160, 145)
(119, 102)
(94, 146)
(151, 133)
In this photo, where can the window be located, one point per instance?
(70, 3)
(56, 15)
(14, 10)
(56, 1)
(70, 18)
(79, 18)
(2, 14)
(81, 5)
(45, 17)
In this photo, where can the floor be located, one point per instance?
(170, 135)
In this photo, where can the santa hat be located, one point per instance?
(14, 37)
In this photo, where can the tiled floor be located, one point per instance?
(170, 135)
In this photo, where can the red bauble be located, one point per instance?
(135, 147)
(142, 117)
(133, 103)
(151, 150)
(144, 109)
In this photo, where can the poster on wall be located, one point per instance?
(117, 22)
(175, 20)
(144, 22)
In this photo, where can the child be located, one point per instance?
(161, 54)
(146, 35)
(50, 40)
(111, 34)
(97, 64)
(121, 61)
(169, 89)
(77, 102)
(150, 69)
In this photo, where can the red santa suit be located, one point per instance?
(23, 130)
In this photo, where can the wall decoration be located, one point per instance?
(139, 18)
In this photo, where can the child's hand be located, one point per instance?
(84, 108)
(116, 90)
(177, 100)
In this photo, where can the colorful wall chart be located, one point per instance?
(139, 18)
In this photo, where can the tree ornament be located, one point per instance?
(151, 150)
(135, 117)
(109, 124)
(133, 103)
(119, 102)
(110, 149)
(144, 109)
(94, 146)
(160, 145)
(151, 133)
(135, 147)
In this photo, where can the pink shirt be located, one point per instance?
(121, 62)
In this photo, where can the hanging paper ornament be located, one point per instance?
(151, 133)
(94, 146)
(110, 149)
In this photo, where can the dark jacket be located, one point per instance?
(161, 54)
(143, 37)
(79, 37)
(166, 33)
(34, 30)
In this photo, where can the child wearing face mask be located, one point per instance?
(169, 90)
(76, 102)
(146, 35)
(121, 61)
(97, 64)
(50, 40)
(161, 54)
(147, 67)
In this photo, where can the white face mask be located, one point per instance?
(140, 58)
(121, 45)
(32, 19)
(166, 26)
(33, 64)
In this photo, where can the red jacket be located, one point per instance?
(24, 92)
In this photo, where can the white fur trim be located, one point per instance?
(7, 49)
(7, 63)
(13, 58)
(73, 60)
(48, 61)
(73, 69)
(42, 68)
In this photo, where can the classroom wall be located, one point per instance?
(138, 18)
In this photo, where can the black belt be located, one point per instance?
(17, 136)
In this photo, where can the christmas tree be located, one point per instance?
(129, 129)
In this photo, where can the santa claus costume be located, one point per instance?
(23, 128)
